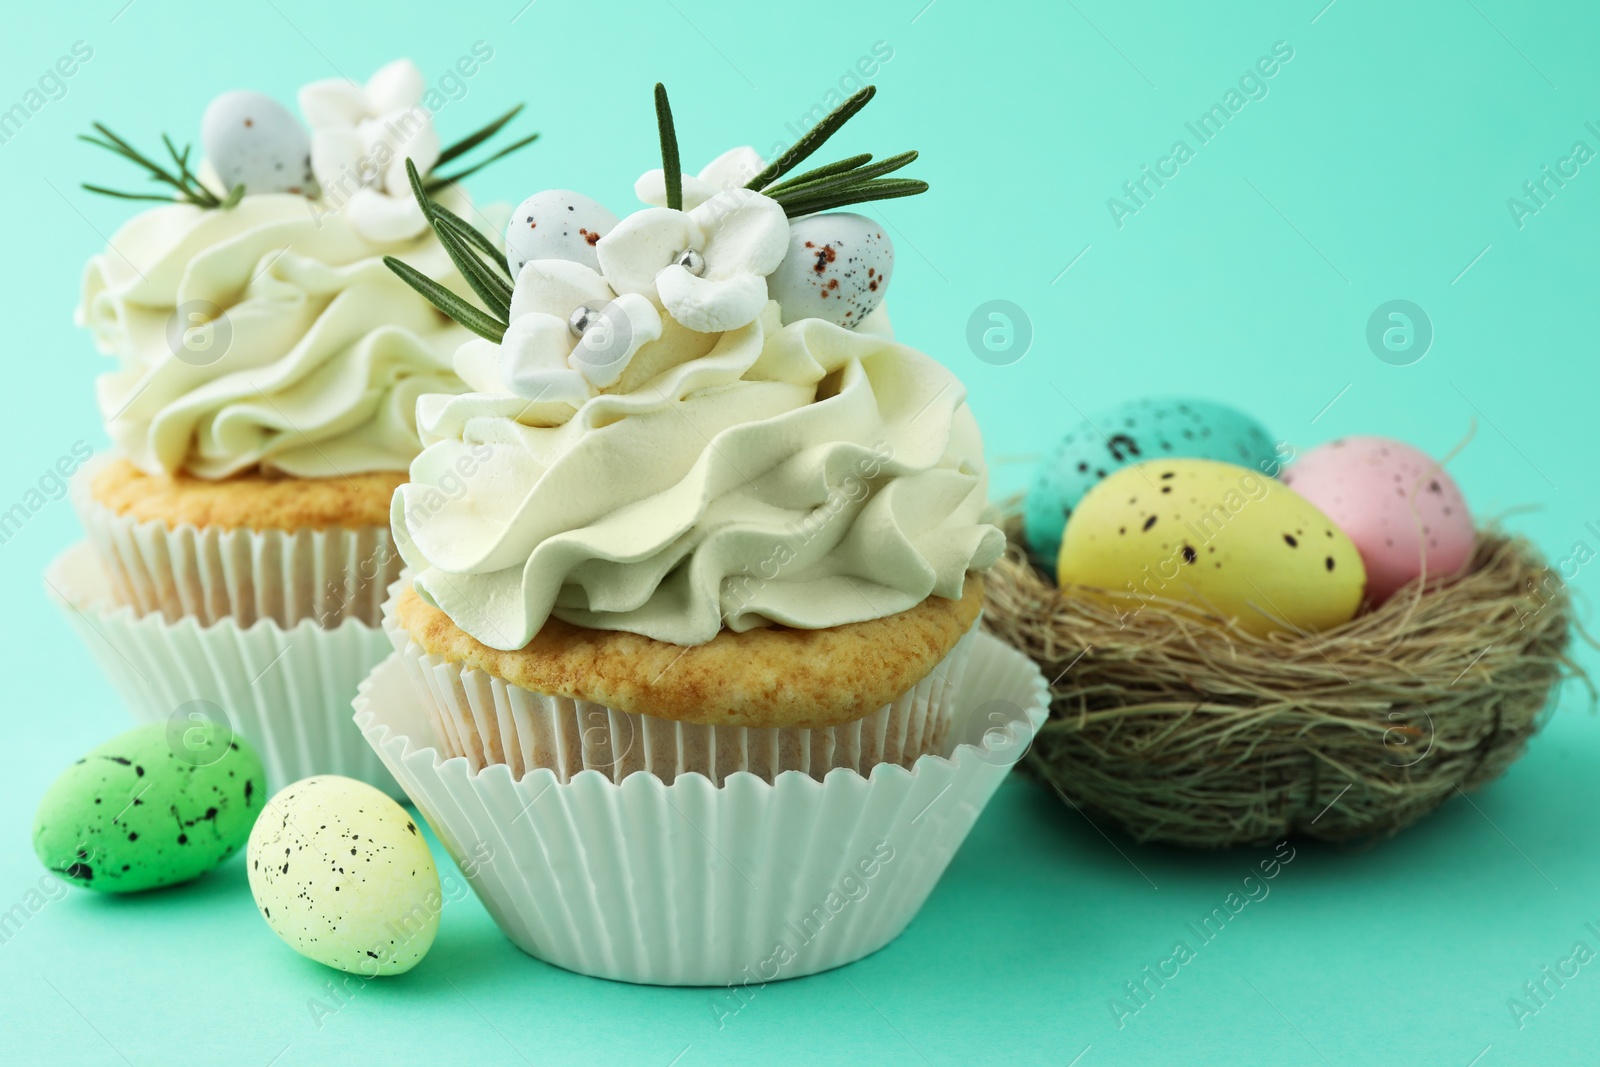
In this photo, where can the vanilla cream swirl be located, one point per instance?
(269, 336)
(808, 476)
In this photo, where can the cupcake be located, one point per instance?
(699, 527)
(697, 510)
(262, 407)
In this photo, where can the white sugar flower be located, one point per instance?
(569, 335)
(708, 266)
(361, 137)
(731, 170)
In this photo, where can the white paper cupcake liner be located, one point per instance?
(287, 692)
(487, 720)
(212, 573)
(695, 884)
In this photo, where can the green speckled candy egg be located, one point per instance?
(1224, 538)
(342, 874)
(1135, 432)
(141, 811)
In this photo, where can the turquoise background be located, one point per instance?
(1378, 167)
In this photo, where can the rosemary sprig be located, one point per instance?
(888, 189)
(439, 181)
(474, 255)
(829, 187)
(472, 140)
(671, 168)
(853, 180)
(103, 191)
(802, 149)
(807, 184)
(493, 289)
(849, 163)
(476, 138)
(186, 185)
(473, 235)
(479, 322)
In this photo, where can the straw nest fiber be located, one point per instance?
(1179, 730)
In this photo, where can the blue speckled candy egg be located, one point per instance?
(252, 140)
(1140, 430)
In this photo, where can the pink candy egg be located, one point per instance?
(1397, 504)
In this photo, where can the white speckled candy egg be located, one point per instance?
(556, 224)
(1404, 513)
(837, 268)
(1227, 539)
(252, 140)
(342, 874)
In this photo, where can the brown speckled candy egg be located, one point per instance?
(342, 874)
(1397, 504)
(837, 268)
(1226, 539)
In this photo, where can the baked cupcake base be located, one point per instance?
(695, 884)
(244, 548)
(764, 701)
(287, 691)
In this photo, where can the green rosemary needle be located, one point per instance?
(813, 140)
(671, 168)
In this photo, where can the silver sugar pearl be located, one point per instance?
(580, 320)
(691, 261)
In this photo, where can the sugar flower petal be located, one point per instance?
(711, 305)
(730, 170)
(745, 233)
(626, 325)
(639, 246)
(557, 287)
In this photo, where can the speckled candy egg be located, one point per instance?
(252, 140)
(342, 874)
(1397, 504)
(556, 224)
(837, 268)
(147, 809)
(1225, 538)
(1131, 433)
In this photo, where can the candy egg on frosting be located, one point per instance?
(1139, 430)
(837, 268)
(342, 874)
(1404, 513)
(1227, 539)
(556, 224)
(252, 140)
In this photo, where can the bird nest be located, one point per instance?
(1179, 729)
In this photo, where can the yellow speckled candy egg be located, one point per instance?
(342, 874)
(1221, 537)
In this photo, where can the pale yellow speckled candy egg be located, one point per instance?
(1224, 538)
(342, 874)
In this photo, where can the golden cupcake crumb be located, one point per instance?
(768, 677)
(246, 501)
